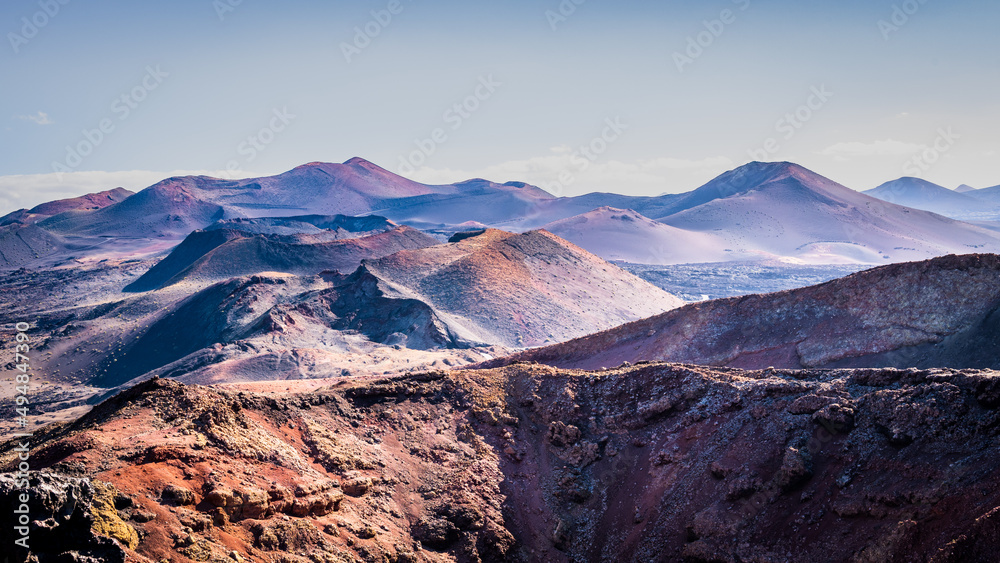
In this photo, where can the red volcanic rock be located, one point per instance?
(656, 462)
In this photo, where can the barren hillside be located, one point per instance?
(940, 312)
(528, 463)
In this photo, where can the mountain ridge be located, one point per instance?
(759, 211)
(874, 318)
(928, 196)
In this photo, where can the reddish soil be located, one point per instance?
(656, 462)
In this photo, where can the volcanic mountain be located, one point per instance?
(941, 312)
(782, 209)
(921, 194)
(218, 254)
(284, 301)
(170, 208)
(526, 463)
(519, 289)
(357, 187)
(989, 195)
(88, 202)
(158, 217)
(260, 319)
(345, 226)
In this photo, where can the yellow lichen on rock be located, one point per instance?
(106, 519)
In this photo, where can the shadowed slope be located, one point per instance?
(307, 224)
(938, 313)
(220, 254)
(22, 244)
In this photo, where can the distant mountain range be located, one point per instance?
(965, 202)
(921, 194)
(988, 195)
(758, 211)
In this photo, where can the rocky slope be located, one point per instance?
(940, 312)
(170, 208)
(265, 315)
(23, 244)
(655, 462)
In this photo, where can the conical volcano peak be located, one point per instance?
(756, 174)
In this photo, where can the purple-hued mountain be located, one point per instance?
(989, 195)
(921, 194)
(760, 210)
(88, 202)
(627, 236)
(784, 210)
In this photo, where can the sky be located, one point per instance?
(636, 97)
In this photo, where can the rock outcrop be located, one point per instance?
(653, 462)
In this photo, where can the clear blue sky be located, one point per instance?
(553, 90)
